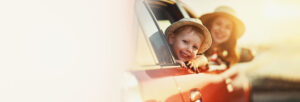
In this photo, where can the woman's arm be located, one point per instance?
(230, 73)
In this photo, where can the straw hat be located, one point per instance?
(239, 27)
(192, 22)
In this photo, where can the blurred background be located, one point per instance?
(272, 32)
(63, 50)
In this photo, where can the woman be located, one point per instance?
(225, 29)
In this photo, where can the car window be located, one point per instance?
(166, 12)
(153, 34)
(164, 24)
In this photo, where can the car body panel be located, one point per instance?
(175, 85)
(157, 86)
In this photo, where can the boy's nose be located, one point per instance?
(190, 49)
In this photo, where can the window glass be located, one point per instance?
(164, 24)
(154, 34)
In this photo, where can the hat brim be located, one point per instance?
(239, 25)
(207, 36)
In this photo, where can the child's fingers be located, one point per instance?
(191, 65)
(183, 65)
(197, 69)
(188, 64)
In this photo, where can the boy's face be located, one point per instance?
(221, 29)
(185, 45)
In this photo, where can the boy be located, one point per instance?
(188, 38)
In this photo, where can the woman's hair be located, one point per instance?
(229, 47)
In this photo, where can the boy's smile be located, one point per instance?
(185, 55)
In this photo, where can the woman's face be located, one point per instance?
(221, 29)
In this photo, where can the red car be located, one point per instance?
(155, 77)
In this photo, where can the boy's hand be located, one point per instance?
(181, 63)
(198, 64)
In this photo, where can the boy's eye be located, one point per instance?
(195, 47)
(184, 41)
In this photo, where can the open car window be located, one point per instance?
(153, 36)
(154, 16)
(166, 12)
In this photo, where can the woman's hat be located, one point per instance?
(192, 22)
(239, 27)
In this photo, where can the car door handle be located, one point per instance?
(195, 95)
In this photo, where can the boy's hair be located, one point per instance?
(190, 28)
